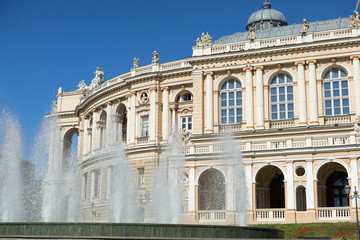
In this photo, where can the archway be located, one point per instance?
(70, 149)
(300, 198)
(121, 126)
(270, 192)
(332, 179)
(102, 126)
(211, 190)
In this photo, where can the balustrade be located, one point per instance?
(271, 214)
(212, 216)
(334, 213)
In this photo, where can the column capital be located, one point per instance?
(152, 89)
(87, 116)
(355, 57)
(95, 110)
(311, 62)
(247, 69)
(300, 63)
(109, 103)
(208, 73)
(259, 68)
(165, 89)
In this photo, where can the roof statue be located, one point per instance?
(355, 20)
(251, 34)
(357, 125)
(98, 79)
(60, 90)
(206, 40)
(306, 26)
(155, 58)
(136, 63)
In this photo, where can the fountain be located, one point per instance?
(60, 202)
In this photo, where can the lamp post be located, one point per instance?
(356, 196)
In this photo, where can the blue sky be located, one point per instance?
(45, 44)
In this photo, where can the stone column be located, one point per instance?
(173, 117)
(209, 104)
(356, 67)
(249, 98)
(259, 98)
(198, 102)
(290, 185)
(132, 119)
(94, 135)
(152, 115)
(86, 135)
(310, 196)
(230, 189)
(108, 182)
(92, 191)
(110, 126)
(302, 92)
(165, 113)
(248, 182)
(191, 199)
(354, 176)
(313, 98)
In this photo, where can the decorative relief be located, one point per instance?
(185, 136)
(357, 125)
(206, 40)
(143, 97)
(97, 80)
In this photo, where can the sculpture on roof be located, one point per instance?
(355, 20)
(136, 63)
(60, 90)
(82, 86)
(306, 26)
(155, 58)
(251, 34)
(98, 79)
(206, 40)
(357, 125)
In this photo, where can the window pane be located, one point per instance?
(223, 113)
(343, 73)
(290, 89)
(231, 120)
(337, 111)
(282, 115)
(238, 84)
(273, 90)
(281, 89)
(327, 93)
(273, 98)
(239, 111)
(231, 95)
(290, 97)
(223, 120)
(281, 97)
(231, 103)
(328, 112)
(291, 115)
(282, 107)
(274, 116)
(327, 85)
(335, 84)
(345, 102)
(336, 103)
(281, 78)
(335, 73)
(327, 75)
(274, 108)
(327, 103)
(238, 94)
(238, 102)
(336, 93)
(291, 106)
(224, 86)
(344, 84)
(238, 119)
(231, 84)
(231, 112)
(223, 103)
(190, 126)
(289, 79)
(346, 110)
(344, 92)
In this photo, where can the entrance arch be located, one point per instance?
(121, 118)
(70, 145)
(332, 179)
(300, 198)
(211, 190)
(270, 191)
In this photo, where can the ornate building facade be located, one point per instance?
(290, 96)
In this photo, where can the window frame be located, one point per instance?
(231, 95)
(144, 126)
(281, 106)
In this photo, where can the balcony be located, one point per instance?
(230, 128)
(212, 216)
(142, 140)
(271, 214)
(282, 124)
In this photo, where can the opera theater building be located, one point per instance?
(288, 96)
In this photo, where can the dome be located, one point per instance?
(266, 18)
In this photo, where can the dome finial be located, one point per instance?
(266, 5)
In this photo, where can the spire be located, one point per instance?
(266, 5)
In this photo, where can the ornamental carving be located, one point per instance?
(357, 125)
(185, 136)
(143, 97)
(96, 81)
(206, 40)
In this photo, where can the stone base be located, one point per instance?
(131, 231)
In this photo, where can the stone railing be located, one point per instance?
(282, 124)
(337, 119)
(324, 141)
(270, 214)
(230, 128)
(334, 213)
(142, 140)
(278, 41)
(212, 216)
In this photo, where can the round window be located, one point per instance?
(300, 171)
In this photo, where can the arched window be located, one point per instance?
(281, 97)
(336, 92)
(231, 102)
